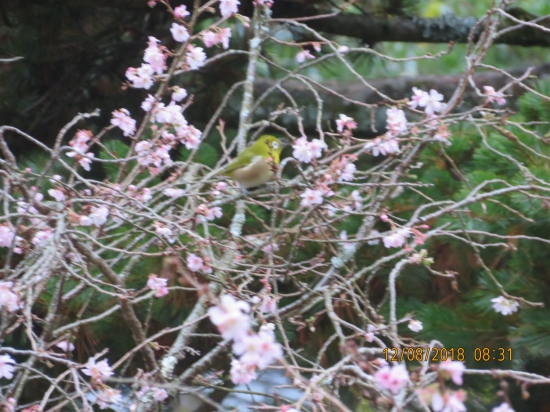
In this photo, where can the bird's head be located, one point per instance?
(268, 146)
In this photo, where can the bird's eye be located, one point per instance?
(275, 145)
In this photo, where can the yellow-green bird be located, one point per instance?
(251, 168)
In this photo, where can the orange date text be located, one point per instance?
(423, 354)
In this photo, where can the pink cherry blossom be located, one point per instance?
(504, 407)
(384, 146)
(159, 394)
(181, 12)
(415, 325)
(325, 190)
(161, 156)
(8, 298)
(453, 370)
(259, 350)
(148, 103)
(143, 149)
(158, 285)
(65, 346)
(98, 215)
(223, 37)
(369, 335)
(347, 173)
(172, 114)
(229, 7)
(178, 94)
(163, 231)
(172, 192)
(241, 373)
(97, 371)
(221, 187)
(210, 38)
(80, 142)
(145, 195)
(396, 121)
(7, 235)
(190, 136)
(6, 368)
(266, 304)
(141, 78)
(86, 161)
(443, 135)
(504, 306)
(392, 379)
(42, 237)
(432, 102)
(145, 71)
(108, 398)
(357, 200)
(311, 197)
(10, 405)
(195, 57)
(415, 100)
(194, 263)
(211, 213)
(230, 316)
(179, 32)
(121, 118)
(57, 194)
(269, 305)
(493, 96)
(345, 122)
(302, 150)
(154, 56)
(396, 238)
(303, 55)
(417, 97)
(317, 147)
(449, 402)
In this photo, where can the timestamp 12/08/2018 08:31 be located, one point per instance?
(422, 354)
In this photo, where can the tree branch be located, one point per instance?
(374, 29)
(126, 307)
(331, 93)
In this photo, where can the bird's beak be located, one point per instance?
(285, 141)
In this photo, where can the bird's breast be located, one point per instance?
(256, 173)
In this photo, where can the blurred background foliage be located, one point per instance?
(75, 55)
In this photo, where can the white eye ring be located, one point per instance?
(275, 145)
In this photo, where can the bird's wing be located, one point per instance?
(242, 160)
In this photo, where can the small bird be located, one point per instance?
(251, 168)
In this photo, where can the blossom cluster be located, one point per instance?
(305, 151)
(211, 38)
(158, 285)
(8, 298)
(396, 124)
(392, 379)
(431, 102)
(256, 351)
(80, 148)
(8, 236)
(97, 371)
(445, 400)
